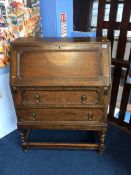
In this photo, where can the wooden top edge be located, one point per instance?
(33, 40)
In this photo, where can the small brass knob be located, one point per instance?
(106, 90)
(90, 116)
(83, 99)
(33, 116)
(37, 98)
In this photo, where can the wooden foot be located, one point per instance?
(102, 135)
(24, 136)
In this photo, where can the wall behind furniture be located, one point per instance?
(51, 17)
(20, 20)
(7, 111)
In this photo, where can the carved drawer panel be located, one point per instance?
(54, 114)
(90, 97)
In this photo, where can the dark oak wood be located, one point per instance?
(89, 97)
(101, 13)
(120, 63)
(125, 98)
(112, 20)
(61, 145)
(61, 84)
(120, 55)
(102, 135)
(63, 125)
(57, 97)
(53, 114)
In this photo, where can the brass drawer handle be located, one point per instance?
(33, 116)
(37, 98)
(90, 116)
(83, 99)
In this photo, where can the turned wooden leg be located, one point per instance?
(24, 136)
(102, 135)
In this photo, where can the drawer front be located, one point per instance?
(61, 115)
(91, 97)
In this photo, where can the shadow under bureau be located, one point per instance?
(61, 84)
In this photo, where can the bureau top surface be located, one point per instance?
(35, 41)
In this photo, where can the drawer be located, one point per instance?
(33, 97)
(53, 114)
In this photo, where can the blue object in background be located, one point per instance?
(83, 34)
(50, 17)
(7, 111)
(51, 22)
(126, 118)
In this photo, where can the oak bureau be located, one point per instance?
(61, 84)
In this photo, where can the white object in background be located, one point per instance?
(7, 111)
(127, 49)
(116, 113)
